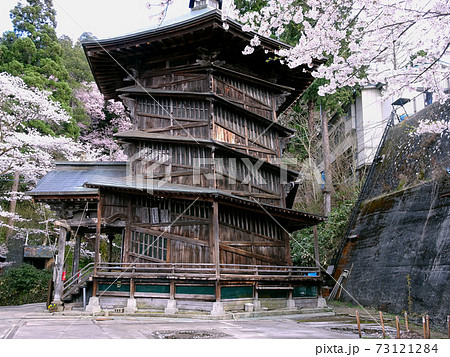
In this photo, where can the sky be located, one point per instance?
(104, 18)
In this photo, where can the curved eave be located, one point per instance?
(291, 219)
(130, 136)
(111, 59)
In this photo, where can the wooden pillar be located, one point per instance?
(127, 235)
(76, 255)
(217, 291)
(132, 288)
(215, 230)
(172, 290)
(59, 284)
(97, 236)
(287, 247)
(316, 247)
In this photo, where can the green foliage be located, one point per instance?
(24, 285)
(249, 5)
(75, 62)
(329, 235)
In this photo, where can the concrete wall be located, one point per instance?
(401, 258)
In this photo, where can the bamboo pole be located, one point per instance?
(382, 324)
(424, 327)
(359, 324)
(428, 327)
(397, 323)
(406, 322)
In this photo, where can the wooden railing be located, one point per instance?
(74, 282)
(193, 271)
(205, 271)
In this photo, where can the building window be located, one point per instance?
(148, 245)
(428, 98)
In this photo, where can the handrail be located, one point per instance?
(208, 269)
(191, 270)
(79, 277)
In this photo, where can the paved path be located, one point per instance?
(33, 322)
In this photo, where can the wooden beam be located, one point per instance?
(169, 235)
(256, 244)
(251, 255)
(177, 127)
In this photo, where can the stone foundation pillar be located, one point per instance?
(218, 309)
(171, 307)
(131, 307)
(321, 302)
(94, 305)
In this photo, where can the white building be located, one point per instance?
(355, 136)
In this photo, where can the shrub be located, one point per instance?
(23, 285)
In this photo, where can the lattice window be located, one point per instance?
(149, 245)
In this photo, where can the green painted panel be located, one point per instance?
(114, 287)
(195, 290)
(236, 292)
(162, 289)
(274, 294)
(305, 291)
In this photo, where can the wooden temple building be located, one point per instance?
(204, 203)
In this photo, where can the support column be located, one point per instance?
(215, 230)
(316, 247)
(127, 235)
(76, 255)
(59, 284)
(217, 309)
(256, 301)
(97, 236)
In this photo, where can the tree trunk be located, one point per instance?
(328, 187)
(12, 206)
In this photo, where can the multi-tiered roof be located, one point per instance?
(204, 183)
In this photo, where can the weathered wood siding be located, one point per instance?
(173, 116)
(162, 229)
(249, 96)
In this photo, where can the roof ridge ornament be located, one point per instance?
(203, 4)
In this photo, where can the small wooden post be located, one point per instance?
(397, 323)
(424, 327)
(428, 327)
(382, 324)
(406, 322)
(359, 324)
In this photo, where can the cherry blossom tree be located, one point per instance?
(397, 43)
(23, 147)
(105, 119)
(401, 44)
(28, 148)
